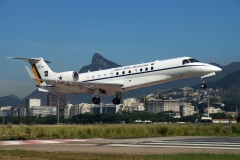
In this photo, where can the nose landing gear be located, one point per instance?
(203, 85)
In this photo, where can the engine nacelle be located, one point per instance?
(65, 76)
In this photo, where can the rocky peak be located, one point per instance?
(14, 96)
(98, 62)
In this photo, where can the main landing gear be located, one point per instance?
(96, 100)
(117, 100)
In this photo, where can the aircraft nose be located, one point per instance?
(216, 69)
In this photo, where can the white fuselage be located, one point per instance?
(141, 75)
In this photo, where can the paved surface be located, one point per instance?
(156, 145)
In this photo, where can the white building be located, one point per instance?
(105, 108)
(71, 110)
(132, 104)
(84, 108)
(186, 109)
(67, 110)
(163, 106)
(5, 111)
(224, 120)
(32, 102)
(214, 110)
(43, 111)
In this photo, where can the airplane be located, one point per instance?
(117, 80)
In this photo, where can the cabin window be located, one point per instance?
(151, 68)
(129, 71)
(146, 69)
(123, 72)
(117, 73)
(140, 69)
(185, 61)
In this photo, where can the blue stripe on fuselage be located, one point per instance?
(143, 72)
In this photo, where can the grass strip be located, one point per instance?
(116, 131)
(29, 155)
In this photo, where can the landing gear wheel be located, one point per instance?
(96, 100)
(203, 85)
(116, 101)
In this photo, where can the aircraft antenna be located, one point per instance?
(212, 61)
(226, 62)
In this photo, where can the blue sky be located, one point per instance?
(68, 33)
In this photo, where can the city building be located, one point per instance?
(224, 120)
(186, 109)
(5, 110)
(22, 111)
(71, 110)
(43, 111)
(30, 102)
(84, 108)
(14, 112)
(105, 108)
(156, 106)
(133, 104)
(212, 110)
(67, 110)
(52, 100)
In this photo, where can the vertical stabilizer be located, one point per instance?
(39, 67)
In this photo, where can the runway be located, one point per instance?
(201, 143)
(156, 145)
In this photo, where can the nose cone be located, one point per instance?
(216, 69)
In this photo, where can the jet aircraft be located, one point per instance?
(117, 80)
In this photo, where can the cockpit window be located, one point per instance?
(185, 61)
(193, 60)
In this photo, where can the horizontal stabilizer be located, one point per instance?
(30, 60)
(44, 90)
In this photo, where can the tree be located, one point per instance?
(218, 115)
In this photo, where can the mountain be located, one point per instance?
(14, 96)
(98, 62)
(10, 100)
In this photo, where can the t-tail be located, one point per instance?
(44, 76)
(39, 67)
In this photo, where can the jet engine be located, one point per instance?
(65, 76)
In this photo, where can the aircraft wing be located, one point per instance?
(90, 85)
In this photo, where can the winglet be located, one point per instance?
(31, 74)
